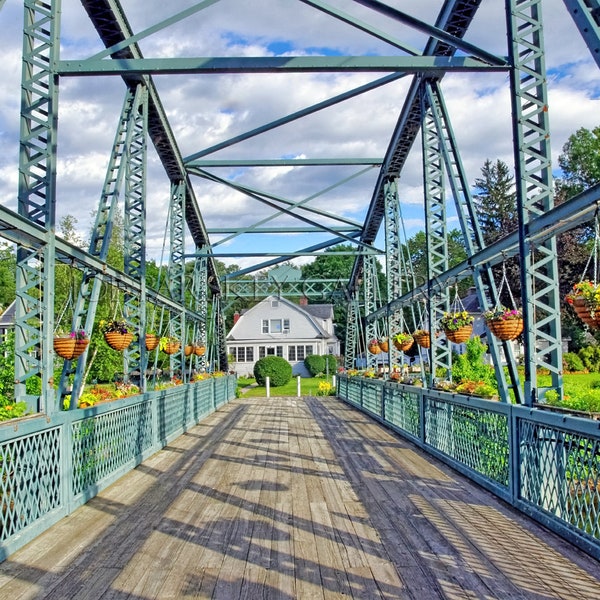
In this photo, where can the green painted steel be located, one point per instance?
(273, 64)
(37, 201)
(436, 232)
(51, 465)
(134, 234)
(545, 464)
(539, 270)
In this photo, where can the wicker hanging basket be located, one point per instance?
(199, 350)
(69, 348)
(171, 347)
(374, 348)
(188, 349)
(422, 339)
(404, 346)
(384, 345)
(151, 341)
(583, 312)
(505, 330)
(460, 335)
(117, 340)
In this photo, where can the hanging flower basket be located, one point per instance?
(117, 340)
(506, 330)
(422, 338)
(151, 341)
(585, 300)
(460, 335)
(374, 347)
(403, 341)
(199, 350)
(384, 345)
(457, 326)
(169, 345)
(505, 323)
(188, 349)
(72, 346)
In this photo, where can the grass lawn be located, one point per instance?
(308, 387)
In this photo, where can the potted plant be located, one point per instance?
(199, 349)
(403, 341)
(169, 344)
(384, 344)
(116, 333)
(72, 345)
(374, 347)
(504, 323)
(584, 297)
(422, 337)
(457, 326)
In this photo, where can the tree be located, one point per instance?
(7, 275)
(580, 162)
(496, 203)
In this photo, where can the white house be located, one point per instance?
(278, 327)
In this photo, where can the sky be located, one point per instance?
(204, 110)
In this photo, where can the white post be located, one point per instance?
(333, 381)
(298, 385)
(268, 383)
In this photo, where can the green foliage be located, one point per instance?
(7, 368)
(572, 362)
(590, 357)
(580, 160)
(331, 364)
(315, 364)
(470, 366)
(276, 368)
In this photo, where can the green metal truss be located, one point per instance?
(539, 271)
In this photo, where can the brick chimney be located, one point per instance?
(236, 317)
(303, 301)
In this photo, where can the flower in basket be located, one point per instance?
(455, 320)
(501, 313)
(420, 332)
(374, 342)
(403, 338)
(79, 335)
(116, 325)
(586, 290)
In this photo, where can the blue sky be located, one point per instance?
(205, 110)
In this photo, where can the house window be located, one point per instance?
(298, 353)
(243, 354)
(275, 326)
(270, 351)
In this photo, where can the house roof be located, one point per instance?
(7, 319)
(321, 310)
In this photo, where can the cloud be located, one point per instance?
(205, 110)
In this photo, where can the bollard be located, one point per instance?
(268, 384)
(298, 386)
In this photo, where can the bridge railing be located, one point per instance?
(545, 464)
(50, 465)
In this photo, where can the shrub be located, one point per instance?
(471, 367)
(572, 362)
(277, 369)
(315, 364)
(590, 356)
(331, 364)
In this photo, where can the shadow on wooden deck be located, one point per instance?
(296, 498)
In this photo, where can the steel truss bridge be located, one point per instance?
(145, 136)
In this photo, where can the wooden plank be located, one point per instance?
(296, 498)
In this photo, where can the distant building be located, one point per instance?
(7, 319)
(278, 327)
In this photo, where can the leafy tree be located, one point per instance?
(580, 162)
(8, 268)
(496, 203)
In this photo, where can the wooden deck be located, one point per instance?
(293, 498)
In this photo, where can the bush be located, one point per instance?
(277, 369)
(590, 356)
(315, 364)
(572, 362)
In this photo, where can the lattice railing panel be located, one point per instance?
(560, 473)
(105, 443)
(173, 413)
(402, 409)
(475, 437)
(30, 482)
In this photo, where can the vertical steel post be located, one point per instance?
(539, 270)
(436, 231)
(34, 313)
